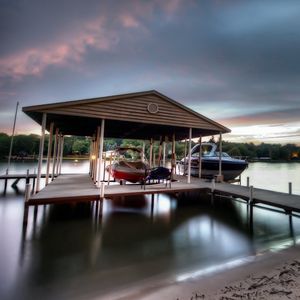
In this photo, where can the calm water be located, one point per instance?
(68, 253)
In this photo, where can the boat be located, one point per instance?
(231, 167)
(129, 165)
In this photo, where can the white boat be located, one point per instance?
(231, 167)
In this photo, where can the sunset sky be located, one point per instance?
(235, 61)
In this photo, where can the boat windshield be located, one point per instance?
(129, 155)
(206, 150)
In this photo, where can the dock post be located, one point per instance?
(164, 152)
(27, 176)
(26, 207)
(49, 152)
(240, 180)
(41, 150)
(5, 182)
(190, 156)
(200, 157)
(290, 188)
(101, 146)
(151, 152)
(251, 195)
(248, 181)
(54, 154)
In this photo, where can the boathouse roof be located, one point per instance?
(141, 115)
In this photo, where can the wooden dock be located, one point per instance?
(17, 177)
(79, 188)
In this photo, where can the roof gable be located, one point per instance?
(150, 107)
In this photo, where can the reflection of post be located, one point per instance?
(251, 221)
(292, 229)
(152, 206)
(26, 207)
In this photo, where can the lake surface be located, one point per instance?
(68, 253)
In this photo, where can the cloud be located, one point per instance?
(101, 33)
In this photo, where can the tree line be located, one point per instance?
(28, 146)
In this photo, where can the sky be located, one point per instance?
(234, 61)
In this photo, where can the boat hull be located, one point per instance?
(128, 174)
(210, 168)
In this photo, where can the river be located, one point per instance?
(69, 254)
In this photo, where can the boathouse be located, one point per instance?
(147, 115)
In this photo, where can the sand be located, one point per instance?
(272, 275)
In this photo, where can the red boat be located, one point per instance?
(129, 165)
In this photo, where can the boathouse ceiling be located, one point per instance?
(142, 115)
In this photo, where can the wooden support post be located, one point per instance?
(143, 149)
(101, 144)
(58, 154)
(5, 182)
(49, 152)
(41, 150)
(151, 153)
(27, 176)
(220, 157)
(90, 159)
(290, 188)
(173, 160)
(97, 147)
(185, 154)
(248, 181)
(160, 150)
(164, 153)
(190, 156)
(104, 166)
(200, 157)
(109, 171)
(26, 207)
(61, 153)
(54, 154)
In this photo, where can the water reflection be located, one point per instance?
(136, 238)
(74, 251)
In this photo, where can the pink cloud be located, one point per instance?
(72, 46)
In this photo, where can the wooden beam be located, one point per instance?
(190, 155)
(49, 152)
(100, 170)
(41, 150)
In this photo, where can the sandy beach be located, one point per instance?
(272, 275)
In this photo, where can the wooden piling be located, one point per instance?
(26, 206)
(5, 182)
(290, 188)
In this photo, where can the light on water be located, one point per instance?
(70, 253)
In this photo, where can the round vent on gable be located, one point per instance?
(152, 108)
